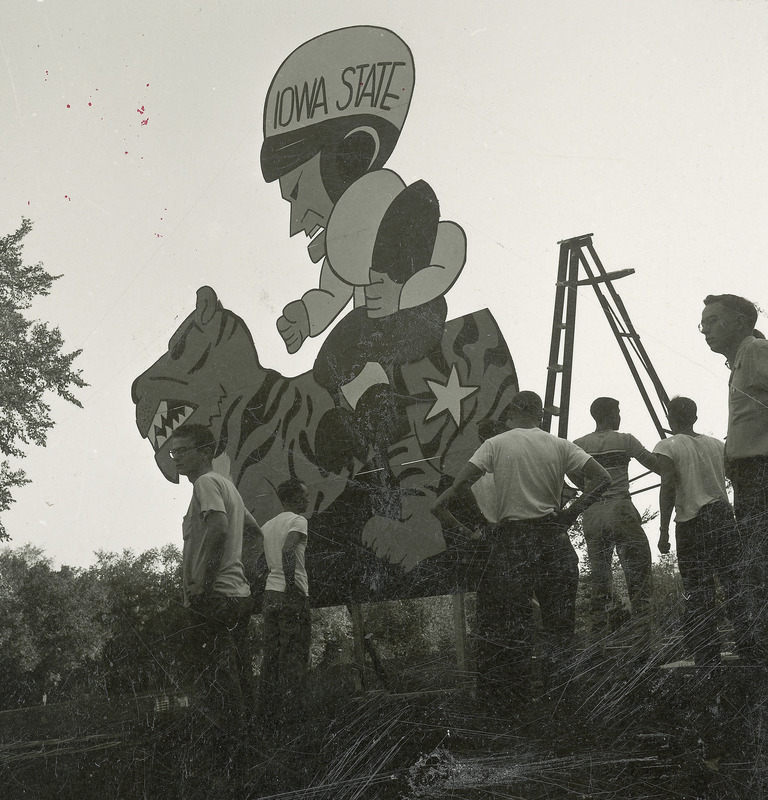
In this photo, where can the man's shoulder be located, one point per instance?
(285, 520)
(710, 442)
(666, 444)
(208, 481)
(753, 350)
(217, 481)
(525, 434)
(598, 441)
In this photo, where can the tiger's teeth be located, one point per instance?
(162, 410)
(162, 427)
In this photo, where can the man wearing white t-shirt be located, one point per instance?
(287, 623)
(708, 544)
(216, 592)
(530, 552)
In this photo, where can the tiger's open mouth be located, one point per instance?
(168, 416)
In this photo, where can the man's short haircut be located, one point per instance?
(740, 306)
(683, 409)
(527, 404)
(603, 407)
(201, 436)
(289, 489)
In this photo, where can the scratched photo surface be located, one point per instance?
(343, 237)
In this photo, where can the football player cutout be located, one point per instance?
(332, 116)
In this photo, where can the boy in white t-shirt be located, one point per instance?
(287, 623)
(708, 544)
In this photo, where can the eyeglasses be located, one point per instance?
(706, 324)
(178, 452)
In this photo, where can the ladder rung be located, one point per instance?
(605, 278)
(555, 367)
(581, 238)
(553, 411)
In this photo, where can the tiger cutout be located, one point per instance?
(266, 429)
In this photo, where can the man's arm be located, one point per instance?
(253, 537)
(215, 538)
(250, 525)
(595, 480)
(666, 499)
(289, 562)
(649, 461)
(461, 487)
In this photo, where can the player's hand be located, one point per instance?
(382, 295)
(663, 545)
(293, 326)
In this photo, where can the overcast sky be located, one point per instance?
(131, 134)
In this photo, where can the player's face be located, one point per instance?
(310, 205)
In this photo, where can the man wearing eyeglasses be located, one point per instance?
(216, 592)
(728, 323)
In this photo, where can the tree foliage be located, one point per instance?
(32, 363)
(113, 628)
(50, 625)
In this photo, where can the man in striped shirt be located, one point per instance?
(613, 523)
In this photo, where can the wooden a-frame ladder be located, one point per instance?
(579, 254)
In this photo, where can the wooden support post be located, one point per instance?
(460, 630)
(358, 646)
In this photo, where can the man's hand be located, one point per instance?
(382, 295)
(664, 542)
(293, 326)
(293, 598)
(567, 519)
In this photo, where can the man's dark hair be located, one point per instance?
(289, 490)
(603, 407)
(526, 404)
(201, 436)
(740, 306)
(683, 409)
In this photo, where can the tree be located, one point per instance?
(143, 615)
(51, 626)
(32, 364)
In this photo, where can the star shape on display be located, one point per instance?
(448, 396)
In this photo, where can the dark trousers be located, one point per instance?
(526, 559)
(219, 659)
(284, 668)
(709, 549)
(749, 477)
